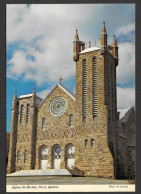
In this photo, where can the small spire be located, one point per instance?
(14, 100)
(89, 44)
(60, 79)
(34, 92)
(76, 35)
(104, 29)
(115, 42)
(15, 95)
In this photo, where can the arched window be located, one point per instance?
(57, 152)
(70, 119)
(18, 155)
(71, 151)
(21, 113)
(86, 143)
(27, 113)
(92, 143)
(44, 153)
(94, 86)
(84, 90)
(43, 123)
(25, 155)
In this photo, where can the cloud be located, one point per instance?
(125, 97)
(126, 29)
(43, 93)
(47, 34)
(48, 64)
(126, 67)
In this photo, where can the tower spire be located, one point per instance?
(14, 100)
(103, 37)
(115, 41)
(115, 50)
(76, 38)
(104, 29)
(78, 46)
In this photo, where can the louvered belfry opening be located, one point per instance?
(21, 115)
(71, 120)
(43, 123)
(84, 91)
(27, 113)
(94, 87)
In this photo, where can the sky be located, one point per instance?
(39, 46)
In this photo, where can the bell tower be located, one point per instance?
(96, 102)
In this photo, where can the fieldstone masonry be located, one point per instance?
(95, 139)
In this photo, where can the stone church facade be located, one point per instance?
(66, 130)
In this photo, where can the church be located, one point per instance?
(79, 132)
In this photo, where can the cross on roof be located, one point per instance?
(60, 79)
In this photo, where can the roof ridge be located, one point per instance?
(62, 87)
(72, 93)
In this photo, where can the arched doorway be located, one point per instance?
(56, 157)
(70, 155)
(44, 157)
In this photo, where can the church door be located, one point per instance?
(70, 155)
(57, 157)
(44, 158)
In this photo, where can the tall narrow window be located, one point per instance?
(84, 91)
(70, 119)
(25, 155)
(86, 143)
(18, 155)
(43, 123)
(21, 114)
(27, 113)
(94, 86)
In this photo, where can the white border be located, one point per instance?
(70, 188)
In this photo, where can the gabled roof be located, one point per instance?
(125, 113)
(71, 94)
(68, 91)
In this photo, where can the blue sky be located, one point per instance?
(40, 46)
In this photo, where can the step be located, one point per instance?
(48, 172)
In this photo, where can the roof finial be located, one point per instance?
(89, 44)
(60, 79)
